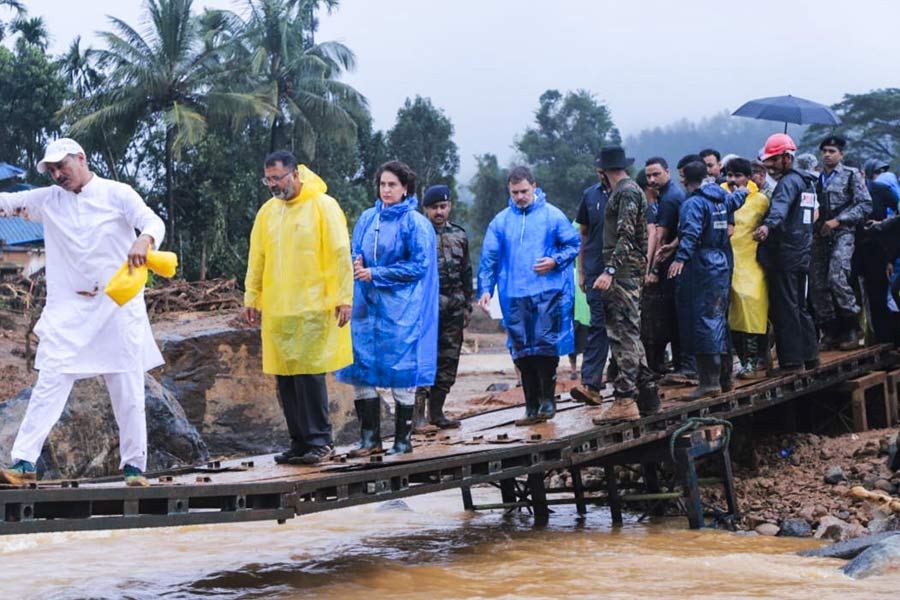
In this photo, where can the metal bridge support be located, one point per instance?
(538, 492)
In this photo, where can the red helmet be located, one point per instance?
(778, 144)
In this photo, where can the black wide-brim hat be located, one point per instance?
(613, 157)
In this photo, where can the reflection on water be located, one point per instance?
(432, 551)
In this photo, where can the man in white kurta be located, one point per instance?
(89, 231)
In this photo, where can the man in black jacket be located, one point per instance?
(786, 236)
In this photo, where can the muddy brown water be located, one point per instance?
(432, 550)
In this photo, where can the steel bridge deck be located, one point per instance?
(487, 448)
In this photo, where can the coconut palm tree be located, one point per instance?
(167, 77)
(278, 39)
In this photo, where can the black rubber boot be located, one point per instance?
(369, 412)
(656, 358)
(709, 370)
(547, 409)
(402, 430)
(648, 399)
(531, 389)
(436, 414)
(420, 420)
(726, 376)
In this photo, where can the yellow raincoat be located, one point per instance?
(749, 310)
(298, 271)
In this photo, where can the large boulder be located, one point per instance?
(215, 370)
(85, 441)
(879, 559)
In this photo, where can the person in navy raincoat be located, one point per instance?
(703, 268)
(528, 253)
(394, 322)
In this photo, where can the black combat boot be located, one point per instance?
(368, 410)
(709, 370)
(402, 430)
(436, 414)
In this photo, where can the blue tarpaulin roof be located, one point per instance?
(14, 231)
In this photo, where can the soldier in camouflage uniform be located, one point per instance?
(625, 257)
(844, 202)
(455, 271)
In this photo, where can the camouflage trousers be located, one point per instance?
(623, 326)
(450, 339)
(830, 289)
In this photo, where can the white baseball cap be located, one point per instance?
(58, 150)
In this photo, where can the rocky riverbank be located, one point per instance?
(801, 485)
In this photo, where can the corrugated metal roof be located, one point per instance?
(14, 231)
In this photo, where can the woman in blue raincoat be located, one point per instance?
(702, 265)
(528, 252)
(395, 307)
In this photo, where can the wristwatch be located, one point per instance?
(611, 270)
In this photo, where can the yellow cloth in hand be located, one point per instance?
(124, 285)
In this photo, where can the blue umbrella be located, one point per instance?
(788, 109)
(8, 171)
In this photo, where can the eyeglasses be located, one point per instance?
(275, 180)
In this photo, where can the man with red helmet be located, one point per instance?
(786, 236)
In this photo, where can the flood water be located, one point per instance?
(434, 550)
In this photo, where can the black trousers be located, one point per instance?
(871, 263)
(796, 340)
(304, 400)
(597, 351)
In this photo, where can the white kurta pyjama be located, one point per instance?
(87, 237)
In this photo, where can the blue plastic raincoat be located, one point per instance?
(395, 316)
(537, 309)
(704, 286)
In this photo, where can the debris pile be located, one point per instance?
(178, 295)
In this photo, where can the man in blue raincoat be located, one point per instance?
(703, 269)
(528, 252)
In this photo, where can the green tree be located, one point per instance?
(15, 6)
(725, 133)
(31, 91)
(870, 122)
(166, 77)
(32, 32)
(277, 42)
(565, 141)
(422, 137)
(490, 196)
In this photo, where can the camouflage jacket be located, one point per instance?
(844, 197)
(454, 268)
(625, 231)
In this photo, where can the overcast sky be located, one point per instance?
(486, 62)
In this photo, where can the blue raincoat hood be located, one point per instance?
(713, 191)
(395, 316)
(537, 309)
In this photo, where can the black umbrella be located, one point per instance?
(788, 109)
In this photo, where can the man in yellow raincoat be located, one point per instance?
(749, 308)
(299, 284)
